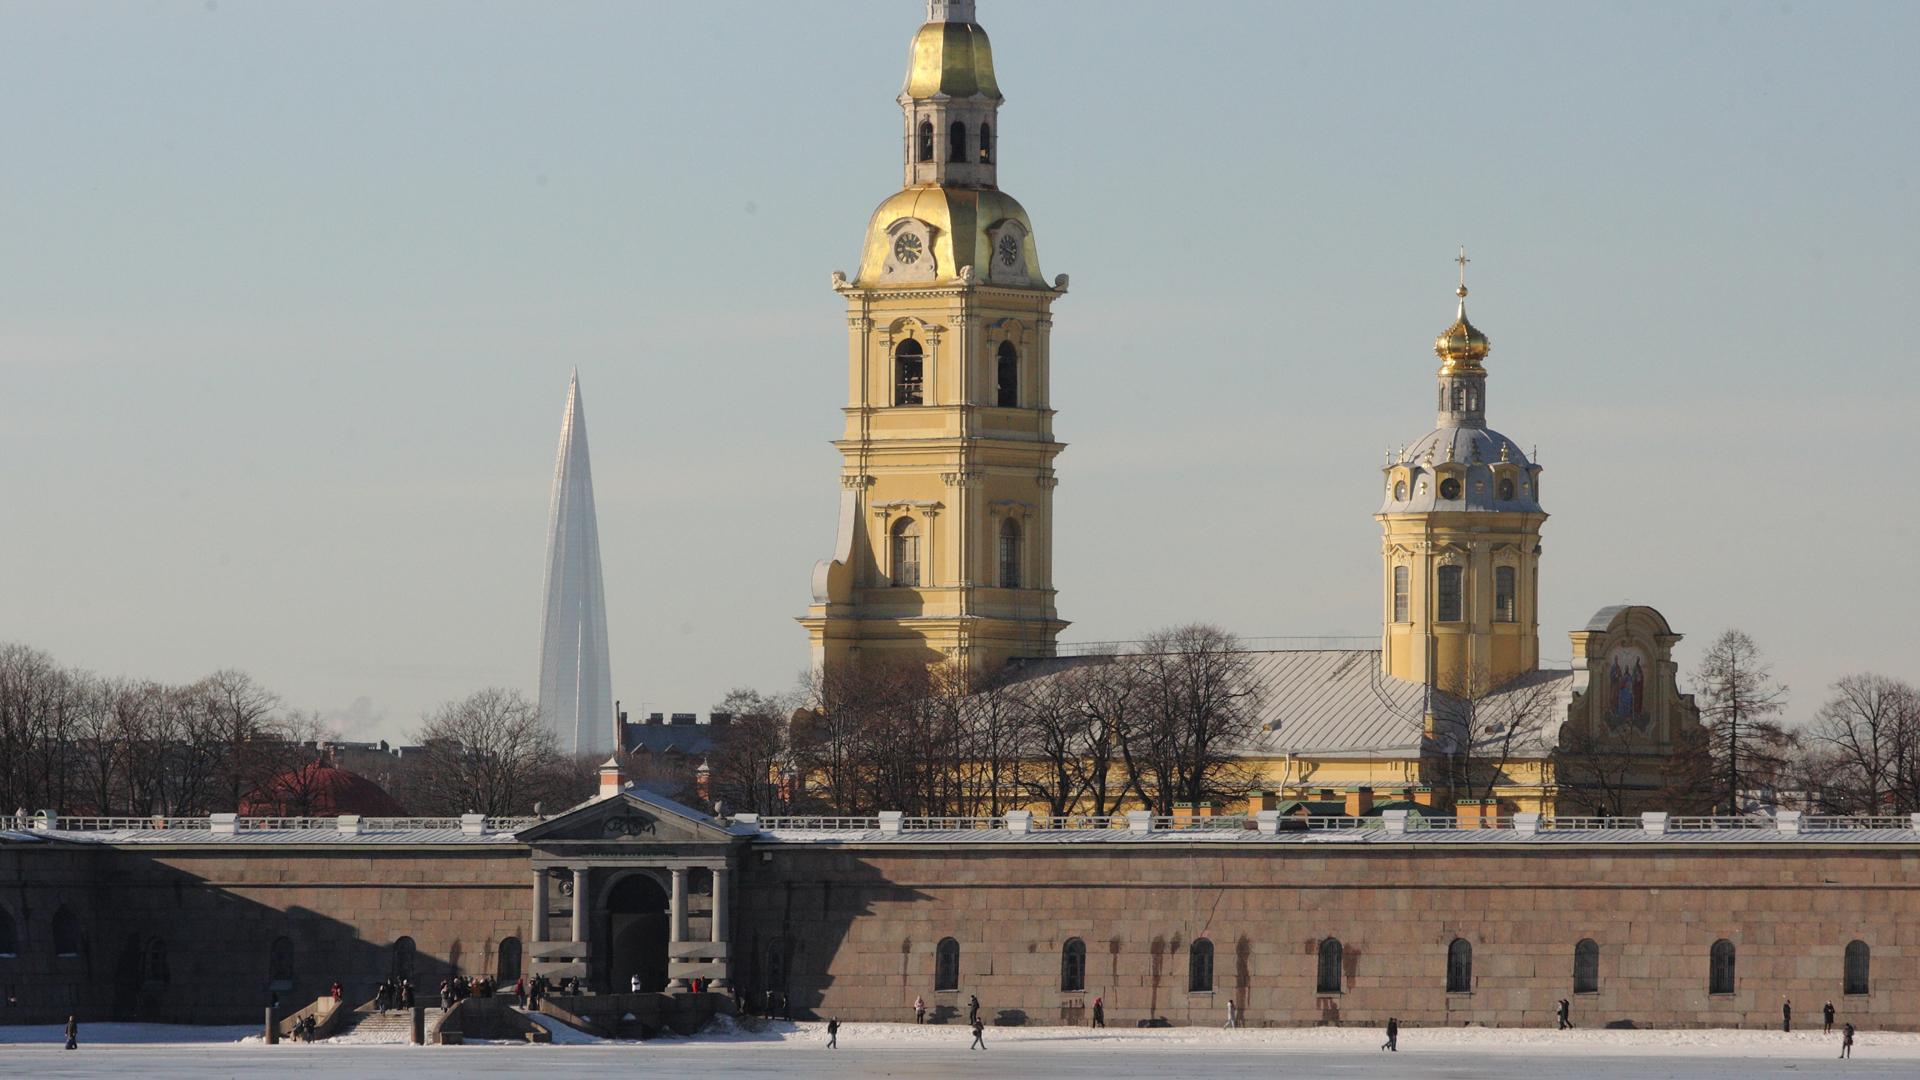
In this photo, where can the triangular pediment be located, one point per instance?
(630, 817)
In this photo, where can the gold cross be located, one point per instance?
(1463, 261)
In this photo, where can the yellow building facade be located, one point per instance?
(944, 544)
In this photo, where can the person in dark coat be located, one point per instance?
(1786, 1014)
(1564, 1008)
(1826, 1015)
(833, 1033)
(973, 1008)
(1846, 1041)
(1099, 1013)
(1393, 1035)
(979, 1043)
(73, 1033)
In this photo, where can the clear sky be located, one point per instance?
(289, 294)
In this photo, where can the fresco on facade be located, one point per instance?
(1627, 685)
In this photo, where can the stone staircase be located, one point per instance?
(392, 1026)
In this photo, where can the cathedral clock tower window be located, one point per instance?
(909, 373)
(957, 142)
(986, 144)
(906, 554)
(1007, 377)
(926, 141)
(1009, 554)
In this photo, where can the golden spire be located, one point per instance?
(1461, 347)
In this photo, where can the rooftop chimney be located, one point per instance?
(613, 777)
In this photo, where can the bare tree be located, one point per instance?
(1200, 705)
(1869, 729)
(1738, 698)
(1482, 728)
(749, 752)
(488, 753)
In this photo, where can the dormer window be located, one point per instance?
(1506, 490)
(1450, 488)
(1400, 491)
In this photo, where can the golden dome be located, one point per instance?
(1461, 347)
(951, 59)
(960, 218)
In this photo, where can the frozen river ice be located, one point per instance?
(799, 1053)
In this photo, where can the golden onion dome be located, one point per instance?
(1461, 347)
(951, 59)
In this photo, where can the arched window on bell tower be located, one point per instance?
(905, 542)
(986, 144)
(1009, 554)
(1007, 376)
(957, 142)
(909, 372)
(926, 141)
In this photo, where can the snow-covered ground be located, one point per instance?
(798, 1052)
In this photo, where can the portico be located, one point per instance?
(632, 885)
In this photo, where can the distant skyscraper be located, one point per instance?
(576, 687)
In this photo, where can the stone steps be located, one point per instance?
(392, 1026)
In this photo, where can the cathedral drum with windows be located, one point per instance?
(944, 543)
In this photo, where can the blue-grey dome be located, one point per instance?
(1491, 473)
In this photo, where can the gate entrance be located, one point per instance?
(637, 933)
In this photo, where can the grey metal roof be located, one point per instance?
(1477, 448)
(1331, 702)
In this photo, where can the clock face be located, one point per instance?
(1009, 251)
(906, 250)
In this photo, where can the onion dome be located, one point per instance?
(318, 789)
(951, 57)
(1461, 347)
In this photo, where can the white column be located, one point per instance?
(719, 905)
(539, 905)
(677, 913)
(579, 903)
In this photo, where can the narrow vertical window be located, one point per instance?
(1009, 553)
(906, 553)
(1447, 602)
(1858, 958)
(1459, 397)
(909, 371)
(1400, 611)
(9, 939)
(1007, 376)
(926, 140)
(957, 142)
(946, 965)
(1329, 980)
(1720, 968)
(986, 144)
(66, 933)
(280, 964)
(1073, 966)
(1586, 967)
(1460, 967)
(1200, 967)
(403, 953)
(507, 964)
(1505, 606)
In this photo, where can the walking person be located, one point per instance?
(1393, 1035)
(1846, 1041)
(973, 1008)
(1099, 1012)
(979, 1043)
(919, 1010)
(1826, 1015)
(1231, 1015)
(833, 1033)
(1562, 1010)
(1786, 1014)
(635, 982)
(73, 1033)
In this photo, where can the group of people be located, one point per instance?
(394, 993)
(1826, 1024)
(459, 988)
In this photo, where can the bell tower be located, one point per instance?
(1461, 548)
(944, 549)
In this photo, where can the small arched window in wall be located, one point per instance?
(926, 140)
(909, 373)
(66, 933)
(1073, 966)
(9, 937)
(905, 542)
(957, 142)
(986, 144)
(1720, 968)
(1400, 612)
(402, 959)
(1447, 600)
(1200, 967)
(1460, 967)
(946, 965)
(1858, 958)
(1586, 967)
(1329, 976)
(1007, 376)
(1506, 606)
(1009, 553)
